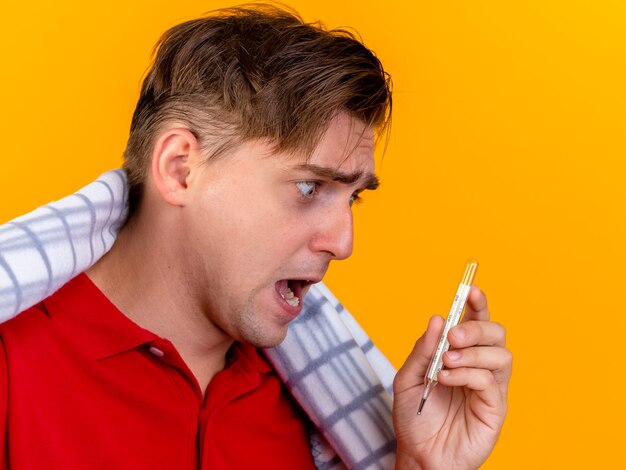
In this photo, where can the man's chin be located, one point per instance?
(269, 345)
(266, 339)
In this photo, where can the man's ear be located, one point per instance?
(171, 164)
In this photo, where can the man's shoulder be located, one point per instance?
(26, 323)
(78, 320)
(28, 338)
(32, 324)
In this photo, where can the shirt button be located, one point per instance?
(156, 351)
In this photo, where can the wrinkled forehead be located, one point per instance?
(347, 144)
(345, 154)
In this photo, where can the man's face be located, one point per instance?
(262, 228)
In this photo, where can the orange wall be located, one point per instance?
(507, 146)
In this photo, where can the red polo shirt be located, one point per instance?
(82, 386)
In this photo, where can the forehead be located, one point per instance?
(345, 152)
(347, 145)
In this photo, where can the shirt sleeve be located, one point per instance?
(4, 408)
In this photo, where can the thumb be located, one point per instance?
(414, 368)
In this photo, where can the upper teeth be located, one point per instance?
(290, 298)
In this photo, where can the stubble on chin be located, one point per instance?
(260, 331)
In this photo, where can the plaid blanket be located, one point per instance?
(334, 371)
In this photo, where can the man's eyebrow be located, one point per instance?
(371, 181)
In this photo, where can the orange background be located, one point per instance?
(507, 146)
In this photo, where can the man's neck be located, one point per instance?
(141, 277)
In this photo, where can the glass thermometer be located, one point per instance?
(456, 311)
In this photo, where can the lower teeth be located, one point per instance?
(290, 298)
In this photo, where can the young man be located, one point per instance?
(253, 135)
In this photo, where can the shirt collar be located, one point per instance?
(102, 329)
(250, 357)
(90, 318)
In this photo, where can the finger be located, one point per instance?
(477, 333)
(414, 368)
(479, 380)
(476, 307)
(497, 360)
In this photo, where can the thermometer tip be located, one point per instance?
(419, 410)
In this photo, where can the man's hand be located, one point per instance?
(463, 415)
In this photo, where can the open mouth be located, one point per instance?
(291, 290)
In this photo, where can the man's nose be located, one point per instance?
(334, 233)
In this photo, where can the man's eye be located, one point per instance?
(355, 198)
(307, 188)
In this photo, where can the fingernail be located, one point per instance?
(459, 332)
(454, 355)
(444, 373)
